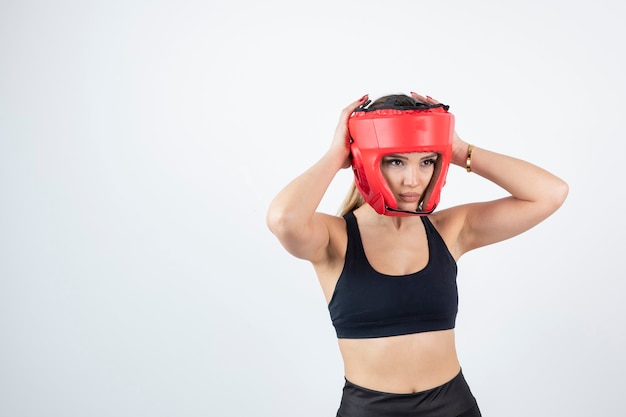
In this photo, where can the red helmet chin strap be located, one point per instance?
(399, 129)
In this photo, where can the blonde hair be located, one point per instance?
(351, 202)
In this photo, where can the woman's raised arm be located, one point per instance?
(534, 195)
(292, 215)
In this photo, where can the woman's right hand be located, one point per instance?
(341, 139)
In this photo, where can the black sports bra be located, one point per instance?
(368, 304)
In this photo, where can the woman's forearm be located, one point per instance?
(523, 180)
(295, 204)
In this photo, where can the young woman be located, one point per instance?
(381, 264)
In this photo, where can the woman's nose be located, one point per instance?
(411, 177)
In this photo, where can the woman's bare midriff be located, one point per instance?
(401, 364)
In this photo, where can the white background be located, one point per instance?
(142, 141)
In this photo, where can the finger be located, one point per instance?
(419, 97)
(424, 99)
(360, 101)
(432, 100)
(348, 110)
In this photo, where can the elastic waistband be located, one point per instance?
(352, 385)
(450, 399)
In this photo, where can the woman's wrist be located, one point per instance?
(336, 159)
(460, 154)
(468, 158)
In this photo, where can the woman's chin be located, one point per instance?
(408, 207)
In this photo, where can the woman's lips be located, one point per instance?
(409, 197)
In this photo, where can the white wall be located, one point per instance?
(141, 142)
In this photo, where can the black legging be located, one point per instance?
(452, 399)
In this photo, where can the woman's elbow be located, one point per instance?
(280, 220)
(274, 219)
(557, 194)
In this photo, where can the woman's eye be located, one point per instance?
(428, 162)
(394, 162)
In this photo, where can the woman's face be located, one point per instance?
(408, 175)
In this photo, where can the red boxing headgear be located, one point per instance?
(390, 129)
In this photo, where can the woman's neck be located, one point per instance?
(366, 213)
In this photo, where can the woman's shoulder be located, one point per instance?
(449, 217)
(336, 226)
(449, 223)
(331, 219)
(337, 239)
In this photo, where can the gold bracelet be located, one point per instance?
(468, 161)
